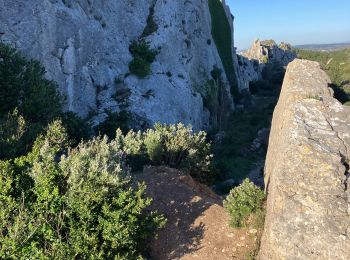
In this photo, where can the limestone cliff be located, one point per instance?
(251, 63)
(307, 170)
(84, 46)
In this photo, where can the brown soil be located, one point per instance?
(197, 226)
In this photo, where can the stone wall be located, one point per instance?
(307, 170)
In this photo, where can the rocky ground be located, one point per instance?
(197, 226)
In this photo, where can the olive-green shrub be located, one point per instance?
(172, 145)
(243, 202)
(75, 204)
(35, 100)
(143, 56)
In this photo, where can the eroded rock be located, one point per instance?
(84, 46)
(306, 172)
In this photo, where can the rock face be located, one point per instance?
(84, 46)
(252, 62)
(307, 170)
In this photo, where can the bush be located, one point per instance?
(35, 100)
(243, 202)
(23, 86)
(173, 145)
(12, 130)
(140, 67)
(79, 205)
(113, 121)
(143, 56)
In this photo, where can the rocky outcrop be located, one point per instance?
(307, 170)
(252, 62)
(84, 46)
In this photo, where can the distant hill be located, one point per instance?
(337, 65)
(324, 47)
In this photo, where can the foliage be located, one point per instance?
(222, 35)
(12, 130)
(31, 100)
(243, 201)
(23, 86)
(173, 145)
(177, 146)
(337, 66)
(233, 156)
(140, 67)
(143, 56)
(113, 121)
(79, 205)
(77, 128)
(151, 26)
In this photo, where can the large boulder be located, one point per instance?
(307, 170)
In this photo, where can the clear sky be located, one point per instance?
(293, 21)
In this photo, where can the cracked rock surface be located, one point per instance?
(306, 171)
(84, 46)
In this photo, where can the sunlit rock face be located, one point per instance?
(307, 170)
(84, 46)
(252, 62)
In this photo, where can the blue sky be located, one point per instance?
(292, 21)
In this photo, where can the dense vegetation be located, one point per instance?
(28, 102)
(221, 33)
(337, 66)
(58, 201)
(173, 145)
(77, 205)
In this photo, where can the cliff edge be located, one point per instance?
(307, 170)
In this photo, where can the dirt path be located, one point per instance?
(197, 226)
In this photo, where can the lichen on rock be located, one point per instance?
(306, 171)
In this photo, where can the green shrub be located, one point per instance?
(172, 145)
(265, 59)
(81, 205)
(244, 203)
(23, 86)
(179, 147)
(113, 121)
(36, 100)
(12, 130)
(143, 56)
(140, 67)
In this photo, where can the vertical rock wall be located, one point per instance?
(307, 170)
(84, 46)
